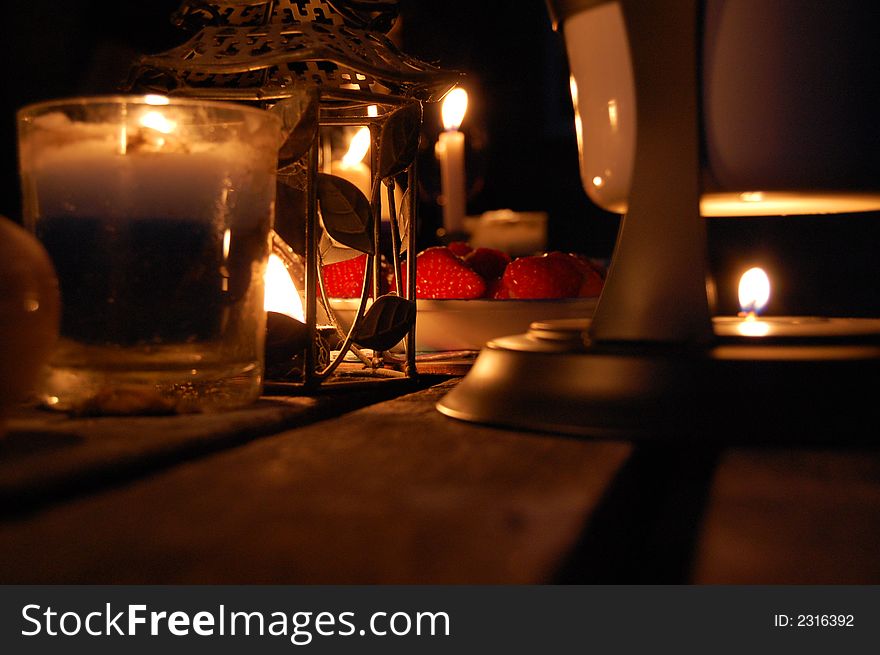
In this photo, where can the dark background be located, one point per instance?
(522, 152)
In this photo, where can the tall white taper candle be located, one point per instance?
(450, 151)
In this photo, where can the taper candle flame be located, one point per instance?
(358, 148)
(454, 108)
(450, 150)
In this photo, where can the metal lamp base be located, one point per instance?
(732, 391)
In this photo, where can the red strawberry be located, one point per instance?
(592, 285)
(496, 290)
(592, 279)
(345, 279)
(488, 262)
(597, 265)
(441, 274)
(545, 276)
(460, 248)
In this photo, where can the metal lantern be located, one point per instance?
(322, 65)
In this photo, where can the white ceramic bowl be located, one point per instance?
(443, 325)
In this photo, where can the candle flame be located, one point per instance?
(454, 108)
(156, 99)
(227, 242)
(281, 294)
(358, 148)
(155, 120)
(753, 327)
(754, 291)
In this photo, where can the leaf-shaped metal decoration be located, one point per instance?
(385, 323)
(299, 117)
(346, 213)
(403, 220)
(332, 252)
(399, 140)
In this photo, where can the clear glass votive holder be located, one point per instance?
(156, 213)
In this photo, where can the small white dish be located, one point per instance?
(443, 325)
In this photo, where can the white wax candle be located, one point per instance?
(359, 175)
(352, 168)
(356, 172)
(795, 327)
(450, 151)
(224, 184)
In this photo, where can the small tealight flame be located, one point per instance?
(155, 120)
(754, 291)
(281, 294)
(752, 327)
(454, 108)
(358, 148)
(155, 99)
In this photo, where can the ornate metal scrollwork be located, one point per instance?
(259, 50)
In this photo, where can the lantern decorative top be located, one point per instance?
(259, 50)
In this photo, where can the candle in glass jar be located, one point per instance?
(141, 215)
(450, 151)
(156, 213)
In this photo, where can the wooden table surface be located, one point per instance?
(378, 487)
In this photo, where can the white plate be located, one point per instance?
(468, 324)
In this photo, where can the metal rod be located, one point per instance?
(351, 121)
(413, 192)
(323, 375)
(376, 204)
(311, 273)
(395, 237)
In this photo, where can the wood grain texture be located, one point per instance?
(792, 517)
(47, 455)
(393, 493)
